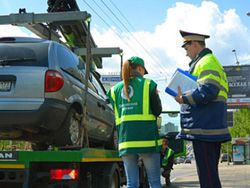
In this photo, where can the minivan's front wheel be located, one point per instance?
(70, 132)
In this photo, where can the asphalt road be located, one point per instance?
(231, 176)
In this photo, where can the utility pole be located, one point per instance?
(121, 55)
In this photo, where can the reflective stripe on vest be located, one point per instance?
(213, 75)
(139, 144)
(205, 131)
(145, 116)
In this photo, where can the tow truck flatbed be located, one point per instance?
(91, 167)
(22, 159)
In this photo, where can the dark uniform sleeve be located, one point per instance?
(155, 102)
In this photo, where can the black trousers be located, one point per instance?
(207, 156)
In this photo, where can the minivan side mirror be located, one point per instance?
(107, 100)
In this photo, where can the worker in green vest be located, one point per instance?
(136, 104)
(167, 160)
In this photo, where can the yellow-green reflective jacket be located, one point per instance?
(168, 153)
(204, 112)
(136, 125)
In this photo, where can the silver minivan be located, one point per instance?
(42, 96)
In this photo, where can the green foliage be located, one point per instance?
(19, 145)
(226, 147)
(241, 128)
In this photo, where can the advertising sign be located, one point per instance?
(109, 80)
(238, 153)
(239, 86)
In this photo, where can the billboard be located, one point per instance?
(239, 86)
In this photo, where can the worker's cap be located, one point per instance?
(166, 137)
(138, 61)
(188, 37)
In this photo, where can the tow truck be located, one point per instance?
(67, 167)
(87, 167)
(78, 166)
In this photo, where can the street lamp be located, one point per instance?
(234, 51)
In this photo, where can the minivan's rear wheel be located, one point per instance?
(70, 132)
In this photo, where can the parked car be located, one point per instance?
(187, 160)
(224, 157)
(42, 96)
(179, 160)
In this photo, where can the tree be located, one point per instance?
(241, 127)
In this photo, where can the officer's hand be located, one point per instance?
(178, 98)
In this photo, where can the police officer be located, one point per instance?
(167, 160)
(136, 104)
(203, 110)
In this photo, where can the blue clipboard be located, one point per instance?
(183, 79)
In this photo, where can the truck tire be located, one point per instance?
(115, 183)
(70, 132)
(106, 175)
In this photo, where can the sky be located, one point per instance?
(150, 29)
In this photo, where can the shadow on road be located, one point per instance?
(183, 184)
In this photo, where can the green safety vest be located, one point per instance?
(168, 154)
(136, 125)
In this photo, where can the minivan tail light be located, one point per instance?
(53, 81)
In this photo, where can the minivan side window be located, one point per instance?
(68, 62)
